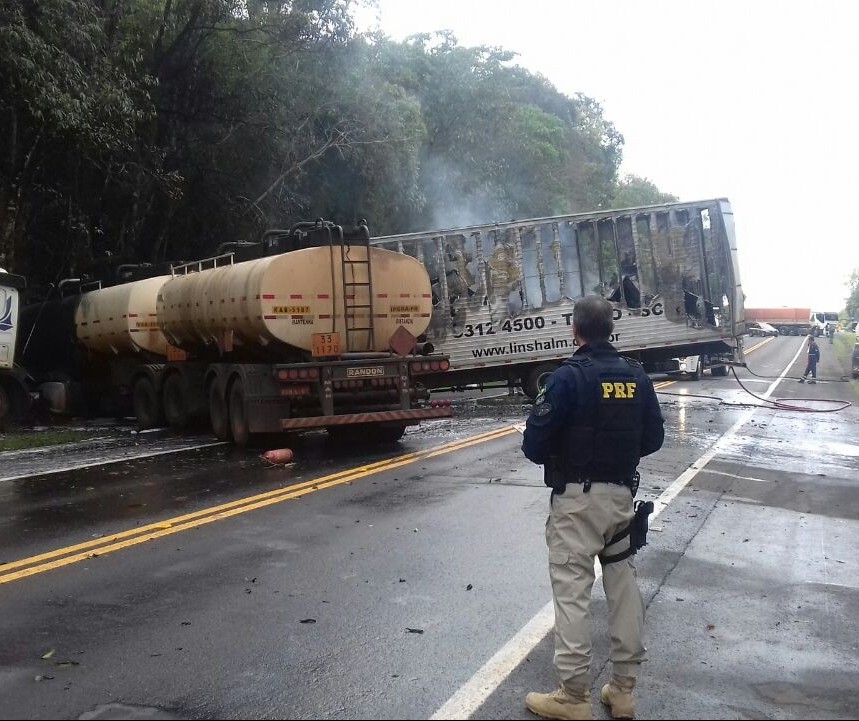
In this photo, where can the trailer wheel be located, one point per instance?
(146, 405)
(5, 405)
(537, 378)
(175, 405)
(389, 434)
(699, 370)
(238, 414)
(218, 415)
(719, 370)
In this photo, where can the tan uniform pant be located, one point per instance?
(577, 530)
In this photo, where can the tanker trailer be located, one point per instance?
(97, 350)
(323, 334)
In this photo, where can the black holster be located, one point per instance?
(638, 533)
(636, 530)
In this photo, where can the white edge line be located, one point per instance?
(109, 461)
(474, 693)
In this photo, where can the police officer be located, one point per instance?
(596, 417)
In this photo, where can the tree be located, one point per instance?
(68, 114)
(150, 130)
(852, 303)
(633, 191)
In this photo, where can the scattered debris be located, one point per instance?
(307, 620)
(49, 653)
(469, 587)
(414, 630)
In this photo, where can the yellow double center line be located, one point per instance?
(766, 340)
(91, 549)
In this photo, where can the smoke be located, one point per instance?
(453, 200)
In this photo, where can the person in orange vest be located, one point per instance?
(813, 359)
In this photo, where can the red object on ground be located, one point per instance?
(278, 455)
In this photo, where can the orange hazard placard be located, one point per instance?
(326, 344)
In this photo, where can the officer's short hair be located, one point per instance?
(592, 318)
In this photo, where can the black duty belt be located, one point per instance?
(590, 481)
(631, 483)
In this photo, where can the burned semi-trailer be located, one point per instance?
(314, 329)
(504, 293)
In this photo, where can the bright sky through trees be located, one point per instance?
(753, 101)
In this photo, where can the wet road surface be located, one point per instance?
(382, 592)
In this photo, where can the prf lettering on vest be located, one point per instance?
(619, 390)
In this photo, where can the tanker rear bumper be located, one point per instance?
(409, 417)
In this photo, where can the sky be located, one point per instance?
(755, 101)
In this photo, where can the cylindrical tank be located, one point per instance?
(122, 319)
(285, 299)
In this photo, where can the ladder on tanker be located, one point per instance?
(357, 288)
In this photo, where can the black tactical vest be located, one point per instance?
(604, 444)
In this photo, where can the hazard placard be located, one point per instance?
(326, 344)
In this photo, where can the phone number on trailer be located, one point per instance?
(538, 322)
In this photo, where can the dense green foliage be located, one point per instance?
(145, 130)
(633, 191)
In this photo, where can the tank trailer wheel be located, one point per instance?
(389, 434)
(5, 405)
(175, 407)
(218, 415)
(146, 405)
(238, 414)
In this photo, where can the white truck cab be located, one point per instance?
(12, 391)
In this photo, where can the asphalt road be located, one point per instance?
(411, 581)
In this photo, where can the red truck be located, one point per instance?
(789, 321)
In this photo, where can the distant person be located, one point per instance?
(813, 359)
